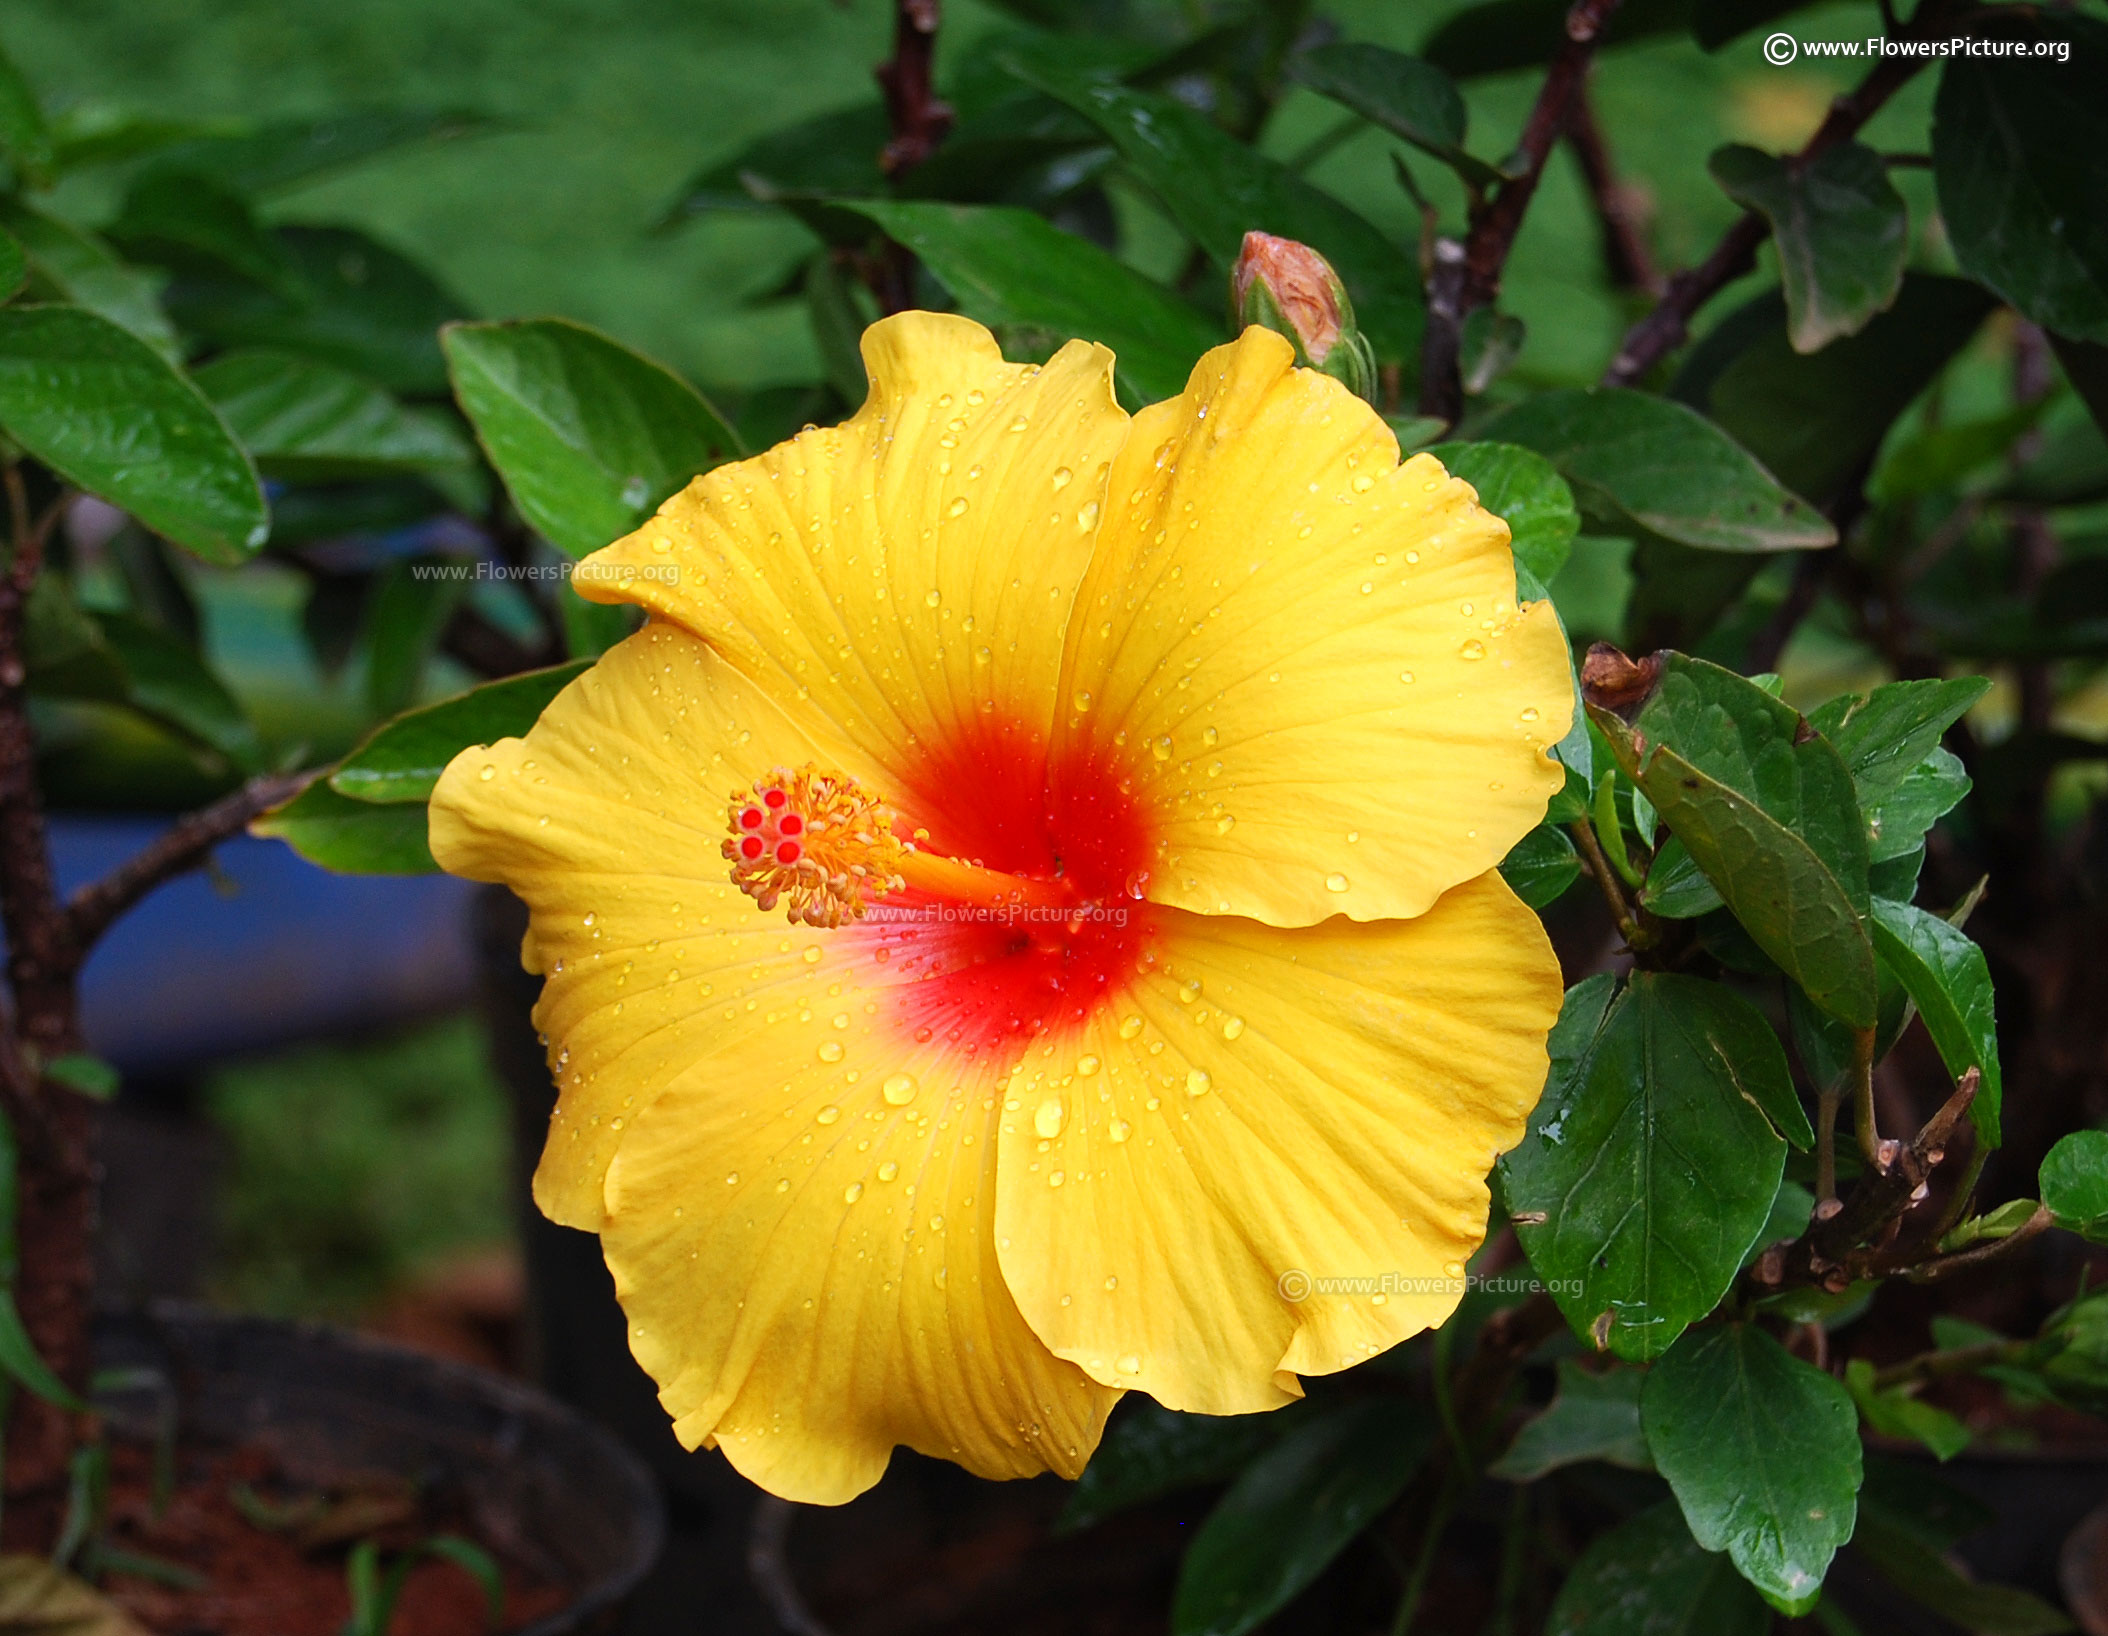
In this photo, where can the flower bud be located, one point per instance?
(1290, 289)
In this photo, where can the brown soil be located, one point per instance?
(281, 1570)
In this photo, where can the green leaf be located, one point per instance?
(589, 436)
(361, 306)
(2075, 1183)
(1890, 742)
(1630, 455)
(1923, 1573)
(20, 1361)
(1294, 1510)
(2016, 146)
(69, 265)
(83, 1072)
(287, 153)
(14, 266)
(303, 419)
(1541, 866)
(1817, 420)
(1149, 1451)
(1652, 1159)
(1992, 1225)
(402, 760)
(354, 837)
(1762, 1453)
(829, 155)
(104, 410)
(1526, 492)
(25, 134)
(406, 615)
(1944, 455)
(1593, 1417)
(1841, 229)
(1894, 1412)
(1801, 907)
(1406, 96)
(1946, 978)
(1008, 267)
(1218, 189)
(178, 220)
(1648, 1577)
(478, 1564)
(168, 679)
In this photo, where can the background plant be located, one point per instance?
(1855, 441)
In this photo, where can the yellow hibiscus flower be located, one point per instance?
(1020, 923)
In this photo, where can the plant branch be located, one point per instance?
(177, 851)
(1959, 1360)
(1591, 851)
(1620, 209)
(1668, 326)
(1467, 276)
(918, 121)
(1864, 1123)
(2034, 1227)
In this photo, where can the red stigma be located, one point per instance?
(750, 819)
(790, 824)
(775, 798)
(751, 847)
(789, 852)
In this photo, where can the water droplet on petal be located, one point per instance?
(488, 773)
(1047, 1121)
(829, 1114)
(899, 1091)
(1129, 1365)
(1337, 883)
(853, 1192)
(1232, 1028)
(1086, 1066)
(1063, 477)
(1473, 649)
(1197, 1082)
(1130, 1027)
(1082, 702)
(1118, 1130)
(833, 1051)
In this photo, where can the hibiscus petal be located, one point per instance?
(902, 580)
(1307, 659)
(606, 819)
(1262, 1112)
(806, 1257)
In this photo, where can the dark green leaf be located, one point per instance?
(1890, 741)
(1909, 1497)
(1496, 36)
(1841, 230)
(1787, 897)
(355, 837)
(1648, 1577)
(1406, 96)
(405, 617)
(1651, 1161)
(2075, 1183)
(361, 306)
(1670, 471)
(182, 221)
(69, 265)
(589, 436)
(103, 409)
(167, 678)
(1762, 1453)
(836, 304)
(1526, 492)
(2086, 367)
(1945, 975)
(1149, 1451)
(1943, 456)
(834, 154)
(303, 419)
(287, 153)
(14, 266)
(20, 1361)
(2016, 145)
(1541, 866)
(25, 134)
(1293, 1511)
(402, 761)
(1817, 420)
(591, 628)
(1922, 1573)
(1593, 1417)
(1008, 267)
(1893, 1412)
(1716, 22)
(1218, 189)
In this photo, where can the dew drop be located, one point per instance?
(1225, 824)
(828, 1115)
(1473, 649)
(811, 954)
(732, 1180)
(1118, 1130)
(488, 773)
(853, 1192)
(1112, 1281)
(833, 1051)
(1529, 713)
(1056, 1179)
(957, 508)
(1232, 1028)
(930, 599)
(1047, 1120)
(1189, 991)
(1087, 518)
(1063, 477)
(1160, 747)
(1129, 1027)
(888, 1170)
(1129, 1365)
(1336, 883)
(899, 1091)
(1082, 702)
(1086, 1066)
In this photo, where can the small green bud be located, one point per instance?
(1290, 289)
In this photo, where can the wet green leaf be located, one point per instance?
(1761, 1451)
(1890, 742)
(25, 134)
(1648, 1577)
(1407, 96)
(303, 419)
(402, 760)
(355, 837)
(1947, 979)
(1652, 1159)
(1893, 1412)
(1150, 1451)
(107, 412)
(1526, 492)
(2075, 1183)
(73, 266)
(589, 436)
(1594, 1416)
(1541, 866)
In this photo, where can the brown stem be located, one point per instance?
(1591, 850)
(1467, 276)
(1865, 1125)
(2034, 1227)
(177, 851)
(1960, 1360)
(1620, 208)
(918, 118)
(54, 1126)
(1667, 327)
(1826, 1104)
